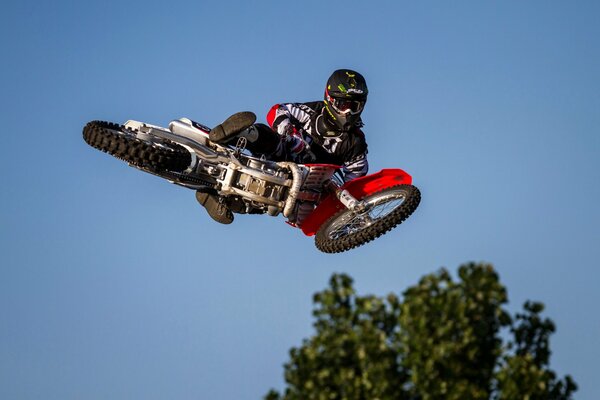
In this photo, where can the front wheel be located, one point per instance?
(383, 211)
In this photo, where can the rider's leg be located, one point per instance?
(232, 126)
(217, 211)
(262, 139)
(222, 133)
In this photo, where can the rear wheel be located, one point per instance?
(148, 152)
(383, 211)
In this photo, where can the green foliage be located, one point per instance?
(442, 341)
(525, 373)
(352, 355)
(449, 333)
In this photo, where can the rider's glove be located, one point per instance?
(298, 147)
(307, 156)
(295, 144)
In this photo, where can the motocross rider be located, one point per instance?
(327, 132)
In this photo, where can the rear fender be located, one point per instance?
(359, 188)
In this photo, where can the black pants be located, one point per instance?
(267, 143)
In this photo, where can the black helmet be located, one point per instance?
(345, 97)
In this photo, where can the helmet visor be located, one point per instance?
(346, 106)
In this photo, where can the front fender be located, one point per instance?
(359, 188)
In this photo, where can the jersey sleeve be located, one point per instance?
(356, 167)
(286, 118)
(356, 164)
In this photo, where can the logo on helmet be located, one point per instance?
(356, 91)
(352, 79)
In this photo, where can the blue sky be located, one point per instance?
(115, 284)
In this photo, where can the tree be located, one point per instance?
(441, 341)
(527, 366)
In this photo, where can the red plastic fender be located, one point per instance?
(359, 188)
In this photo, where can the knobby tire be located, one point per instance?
(327, 244)
(121, 143)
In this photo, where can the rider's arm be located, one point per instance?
(287, 117)
(356, 164)
(287, 120)
(356, 167)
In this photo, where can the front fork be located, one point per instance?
(344, 196)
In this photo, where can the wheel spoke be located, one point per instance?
(381, 210)
(377, 208)
(354, 225)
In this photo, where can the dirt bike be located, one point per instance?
(313, 197)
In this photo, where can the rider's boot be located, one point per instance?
(232, 127)
(217, 210)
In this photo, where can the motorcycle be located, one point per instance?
(313, 197)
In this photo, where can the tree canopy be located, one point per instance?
(442, 339)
